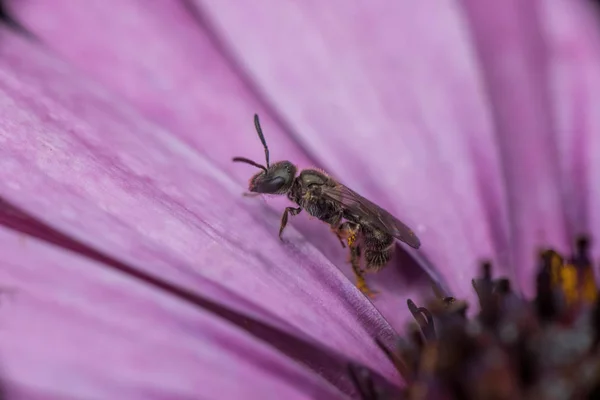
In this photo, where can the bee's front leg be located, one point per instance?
(284, 218)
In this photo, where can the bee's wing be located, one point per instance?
(372, 213)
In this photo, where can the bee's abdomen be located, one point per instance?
(379, 248)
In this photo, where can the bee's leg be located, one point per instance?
(335, 228)
(340, 238)
(361, 283)
(350, 232)
(284, 218)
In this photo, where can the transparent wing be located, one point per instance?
(371, 213)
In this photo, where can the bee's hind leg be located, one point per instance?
(350, 232)
(361, 283)
(347, 231)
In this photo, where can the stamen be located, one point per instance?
(502, 287)
(585, 271)
(423, 318)
(544, 301)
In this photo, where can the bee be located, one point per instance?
(367, 229)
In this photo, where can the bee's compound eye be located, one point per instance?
(271, 185)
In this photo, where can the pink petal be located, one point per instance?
(574, 46)
(194, 85)
(74, 329)
(181, 81)
(373, 91)
(88, 165)
(330, 365)
(514, 61)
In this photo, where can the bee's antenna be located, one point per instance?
(261, 137)
(248, 161)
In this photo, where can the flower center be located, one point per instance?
(547, 347)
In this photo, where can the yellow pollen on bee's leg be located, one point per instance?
(361, 284)
(352, 238)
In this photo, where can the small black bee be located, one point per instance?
(361, 223)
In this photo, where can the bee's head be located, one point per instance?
(273, 179)
(277, 179)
